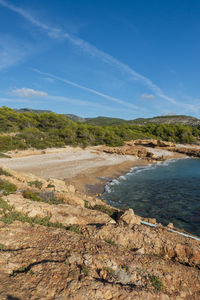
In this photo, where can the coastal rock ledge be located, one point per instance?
(56, 243)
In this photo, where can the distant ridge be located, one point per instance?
(171, 119)
(74, 118)
(174, 119)
(38, 111)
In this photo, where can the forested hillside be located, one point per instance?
(22, 130)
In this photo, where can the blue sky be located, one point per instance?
(114, 58)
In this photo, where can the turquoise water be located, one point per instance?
(169, 192)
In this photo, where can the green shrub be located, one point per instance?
(2, 246)
(36, 183)
(4, 172)
(17, 216)
(4, 205)
(34, 196)
(6, 187)
(110, 271)
(47, 197)
(156, 282)
(85, 270)
(74, 228)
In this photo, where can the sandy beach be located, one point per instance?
(87, 169)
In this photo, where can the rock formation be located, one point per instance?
(58, 244)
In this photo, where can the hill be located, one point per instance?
(101, 120)
(38, 129)
(174, 119)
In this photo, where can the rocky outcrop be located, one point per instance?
(81, 248)
(131, 149)
(50, 263)
(195, 152)
(151, 143)
(129, 218)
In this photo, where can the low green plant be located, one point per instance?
(125, 268)
(20, 270)
(6, 187)
(106, 210)
(110, 271)
(156, 282)
(2, 246)
(74, 228)
(4, 172)
(12, 216)
(85, 270)
(4, 205)
(86, 204)
(50, 185)
(110, 242)
(34, 196)
(36, 183)
(47, 197)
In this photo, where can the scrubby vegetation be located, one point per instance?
(42, 130)
(8, 215)
(4, 172)
(6, 187)
(156, 282)
(36, 183)
(47, 197)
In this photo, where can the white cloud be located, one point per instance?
(147, 96)
(26, 92)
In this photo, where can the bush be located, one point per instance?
(156, 282)
(4, 172)
(47, 197)
(7, 188)
(36, 183)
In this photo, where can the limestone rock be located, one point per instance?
(129, 218)
(59, 185)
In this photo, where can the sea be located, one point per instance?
(168, 191)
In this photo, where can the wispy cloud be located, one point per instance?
(58, 33)
(92, 50)
(89, 90)
(11, 52)
(83, 103)
(147, 96)
(57, 99)
(27, 93)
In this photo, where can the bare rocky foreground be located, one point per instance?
(56, 243)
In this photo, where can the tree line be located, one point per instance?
(55, 130)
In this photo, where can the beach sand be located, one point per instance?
(87, 169)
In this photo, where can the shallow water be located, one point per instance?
(169, 192)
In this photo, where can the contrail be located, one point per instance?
(89, 90)
(92, 50)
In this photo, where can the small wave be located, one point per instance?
(107, 189)
(123, 177)
(138, 169)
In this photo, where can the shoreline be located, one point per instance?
(89, 170)
(93, 181)
(99, 177)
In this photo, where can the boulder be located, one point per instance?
(129, 218)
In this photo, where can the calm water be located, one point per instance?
(169, 192)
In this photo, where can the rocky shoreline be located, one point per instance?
(58, 243)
